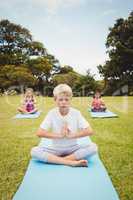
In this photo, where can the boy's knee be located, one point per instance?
(94, 147)
(39, 154)
(34, 152)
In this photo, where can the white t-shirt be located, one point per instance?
(54, 121)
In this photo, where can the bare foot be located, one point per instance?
(80, 163)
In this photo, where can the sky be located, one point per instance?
(74, 31)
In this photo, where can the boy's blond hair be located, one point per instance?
(62, 89)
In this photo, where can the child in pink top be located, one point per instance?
(97, 104)
(28, 103)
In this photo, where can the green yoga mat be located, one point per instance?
(58, 182)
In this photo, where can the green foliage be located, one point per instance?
(15, 75)
(17, 65)
(118, 70)
(82, 85)
(40, 67)
(66, 69)
(69, 78)
(85, 85)
(16, 44)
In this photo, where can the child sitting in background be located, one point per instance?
(97, 104)
(28, 103)
(64, 125)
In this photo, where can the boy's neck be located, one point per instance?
(64, 111)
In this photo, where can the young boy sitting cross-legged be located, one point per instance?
(64, 125)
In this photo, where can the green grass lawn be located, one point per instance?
(113, 136)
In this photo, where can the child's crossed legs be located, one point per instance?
(74, 156)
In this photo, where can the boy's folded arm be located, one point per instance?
(46, 134)
(84, 132)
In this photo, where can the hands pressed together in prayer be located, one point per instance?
(66, 132)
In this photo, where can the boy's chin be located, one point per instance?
(64, 107)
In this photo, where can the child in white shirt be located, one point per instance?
(64, 125)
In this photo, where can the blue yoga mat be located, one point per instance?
(27, 116)
(58, 182)
(106, 114)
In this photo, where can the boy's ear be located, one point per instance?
(54, 98)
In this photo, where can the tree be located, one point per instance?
(82, 85)
(86, 84)
(69, 78)
(118, 70)
(66, 69)
(13, 75)
(43, 68)
(17, 50)
(16, 44)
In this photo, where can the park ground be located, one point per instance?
(114, 137)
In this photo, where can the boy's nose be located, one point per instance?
(64, 101)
